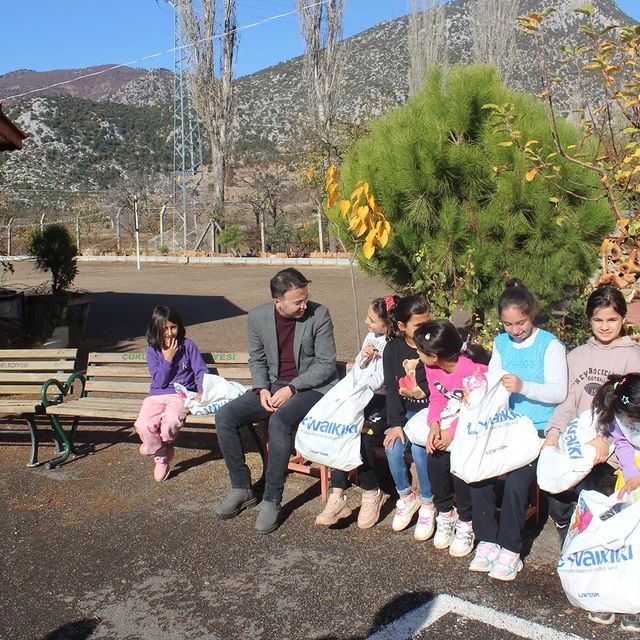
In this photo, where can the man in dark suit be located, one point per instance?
(292, 357)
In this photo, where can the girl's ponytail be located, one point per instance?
(384, 309)
(517, 295)
(619, 395)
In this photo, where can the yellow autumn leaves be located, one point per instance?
(361, 210)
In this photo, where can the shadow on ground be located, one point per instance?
(393, 610)
(118, 317)
(78, 630)
(104, 434)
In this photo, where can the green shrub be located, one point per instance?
(55, 251)
(465, 218)
(232, 238)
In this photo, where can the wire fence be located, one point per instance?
(114, 231)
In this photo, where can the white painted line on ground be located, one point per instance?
(414, 622)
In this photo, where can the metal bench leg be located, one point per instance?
(67, 440)
(34, 441)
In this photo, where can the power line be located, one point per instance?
(161, 53)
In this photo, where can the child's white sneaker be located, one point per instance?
(445, 529)
(405, 508)
(426, 522)
(486, 554)
(463, 539)
(506, 566)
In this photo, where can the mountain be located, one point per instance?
(106, 83)
(109, 123)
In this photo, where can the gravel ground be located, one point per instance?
(96, 549)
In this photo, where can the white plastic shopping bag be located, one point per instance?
(330, 433)
(216, 392)
(417, 426)
(560, 469)
(600, 561)
(491, 439)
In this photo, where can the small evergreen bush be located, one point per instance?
(55, 251)
(465, 217)
(232, 238)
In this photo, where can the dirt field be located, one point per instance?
(213, 301)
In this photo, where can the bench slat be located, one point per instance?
(25, 365)
(131, 357)
(233, 372)
(31, 377)
(40, 354)
(117, 386)
(114, 408)
(16, 389)
(107, 371)
(12, 407)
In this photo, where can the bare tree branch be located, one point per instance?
(427, 36)
(211, 79)
(494, 30)
(321, 28)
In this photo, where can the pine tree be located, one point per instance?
(465, 212)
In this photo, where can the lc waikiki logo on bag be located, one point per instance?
(491, 439)
(216, 392)
(330, 433)
(562, 468)
(600, 560)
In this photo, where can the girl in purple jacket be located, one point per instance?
(171, 357)
(617, 408)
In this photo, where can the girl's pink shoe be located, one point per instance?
(163, 464)
(506, 566)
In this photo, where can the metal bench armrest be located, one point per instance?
(64, 389)
(80, 377)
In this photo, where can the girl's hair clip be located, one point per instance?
(389, 303)
(624, 400)
(427, 336)
(615, 385)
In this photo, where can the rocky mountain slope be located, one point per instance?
(99, 129)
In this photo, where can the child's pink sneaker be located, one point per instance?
(405, 508)
(163, 464)
(486, 555)
(506, 566)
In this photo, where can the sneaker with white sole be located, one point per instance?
(426, 522)
(463, 539)
(445, 529)
(405, 508)
(630, 622)
(602, 617)
(506, 566)
(336, 509)
(370, 507)
(486, 554)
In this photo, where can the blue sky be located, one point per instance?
(64, 34)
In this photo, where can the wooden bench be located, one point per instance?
(23, 373)
(115, 384)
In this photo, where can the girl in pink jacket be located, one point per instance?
(447, 364)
